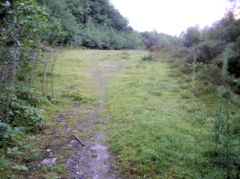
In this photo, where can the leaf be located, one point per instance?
(5, 162)
(15, 149)
(20, 167)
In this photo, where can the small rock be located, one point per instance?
(48, 150)
(74, 143)
(54, 141)
(59, 118)
(100, 101)
(69, 145)
(74, 112)
(70, 163)
(48, 161)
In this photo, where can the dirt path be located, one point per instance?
(94, 161)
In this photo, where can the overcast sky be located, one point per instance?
(170, 16)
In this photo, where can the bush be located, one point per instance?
(208, 51)
(22, 111)
(26, 116)
(7, 133)
(192, 37)
(30, 96)
(171, 51)
(233, 65)
(226, 152)
(147, 58)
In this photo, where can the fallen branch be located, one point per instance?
(77, 139)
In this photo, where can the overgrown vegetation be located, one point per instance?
(90, 24)
(218, 46)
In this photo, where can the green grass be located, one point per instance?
(76, 86)
(158, 126)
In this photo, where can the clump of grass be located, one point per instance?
(125, 55)
(76, 96)
(148, 58)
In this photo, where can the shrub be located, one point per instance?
(22, 111)
(223, 92)
(226, 155)
(30, 96)
(7, 133)
(26, 116)
(233, 65)
(147, 58)
(208, 51)
(171, 51)
(192, 37)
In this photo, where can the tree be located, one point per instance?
(192, 37)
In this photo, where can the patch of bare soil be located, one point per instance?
(92, 160)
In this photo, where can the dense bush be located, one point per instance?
(21, 111)
(171, 51)
(108, 38)
(153, 40)
(208, 51)
(91, 24)
(192, 37)
(9, 134)
(23, 28)
(233, 65)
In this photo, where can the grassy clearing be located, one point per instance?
(156, 124)
(159, 126)
(77, 73)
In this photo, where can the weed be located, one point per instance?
(147, 58)
(227, 155)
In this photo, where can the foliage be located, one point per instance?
(208, 51)
(91, 24)
(178, 52)
(7, 134)
(226, 145)
(192, 37)
(153, 39)
(219, 51)
(147, 58)
(23, 28)
(20, 112)
(233, 65)
(29, 96)
(23, 25)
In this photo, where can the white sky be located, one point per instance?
(170, 16)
